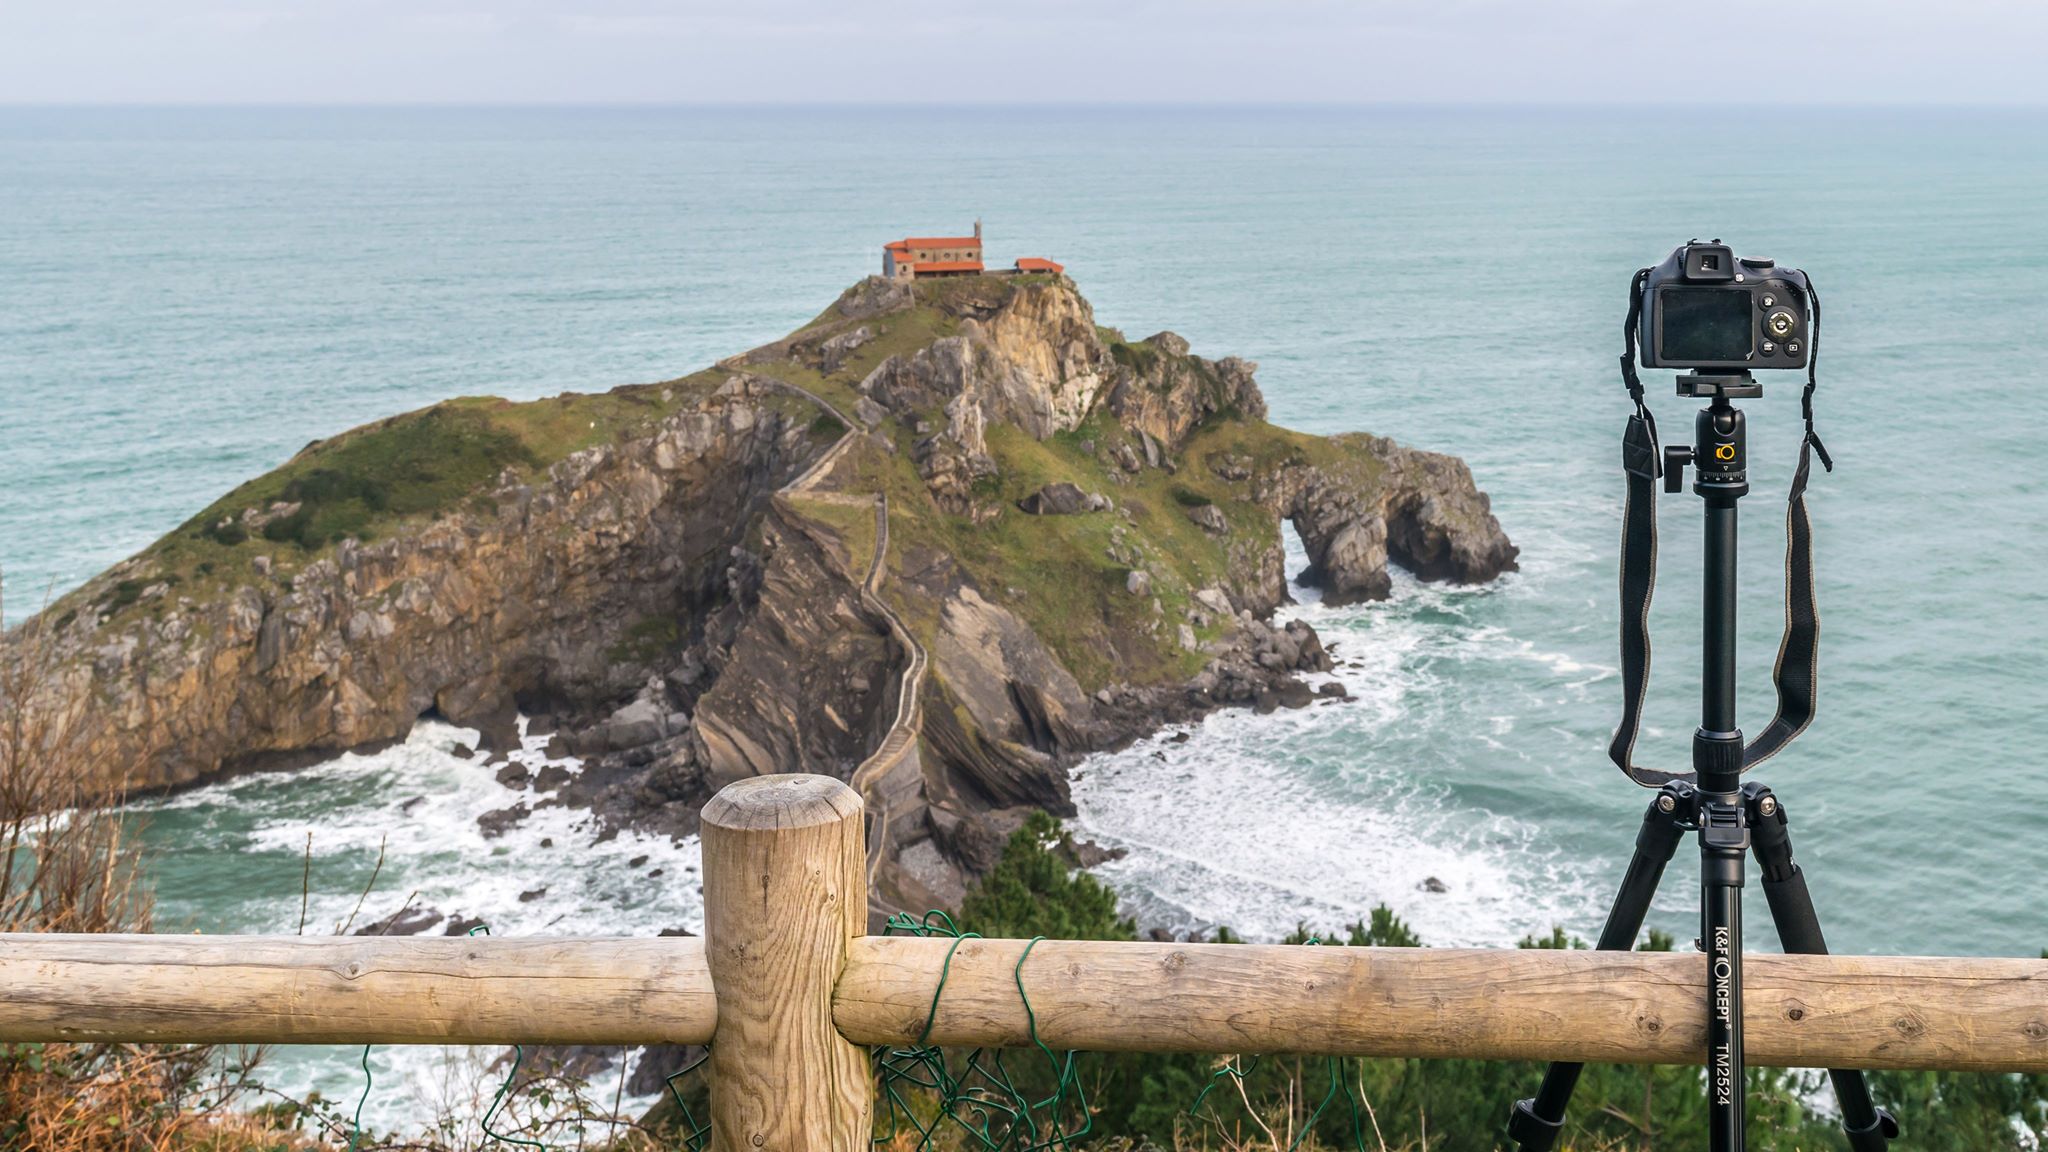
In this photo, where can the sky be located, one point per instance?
(1023, 51)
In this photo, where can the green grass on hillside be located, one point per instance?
(852, 523)
(372, 481)
(414, 466)
(1057, 572)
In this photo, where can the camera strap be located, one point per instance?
(1795, 674)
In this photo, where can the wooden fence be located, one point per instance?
(794, 992)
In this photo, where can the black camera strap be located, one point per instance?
(1796, 671)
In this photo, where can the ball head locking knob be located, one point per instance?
(1676, 457)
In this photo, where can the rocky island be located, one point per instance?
(939, 542)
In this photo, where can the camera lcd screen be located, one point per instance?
(1710, 324)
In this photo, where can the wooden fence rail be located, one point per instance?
(1632, 1007)
(792, 991)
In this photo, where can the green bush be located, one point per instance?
(228, 532)
(125, 593)
(1036, 890)
(1458, 1105)
(826, 426)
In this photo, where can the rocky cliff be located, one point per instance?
(941, 541)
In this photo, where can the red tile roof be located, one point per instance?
(938, 242)
(946, 265)
(1038, 264)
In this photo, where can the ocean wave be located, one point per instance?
(555, 873)
(1263, 823)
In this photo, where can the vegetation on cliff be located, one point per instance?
(1079, 540)
(378, 480)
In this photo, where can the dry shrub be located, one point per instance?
(70, 865)
(129, 1098)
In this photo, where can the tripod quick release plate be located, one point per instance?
(1740, 386)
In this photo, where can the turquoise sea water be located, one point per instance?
(186, 297)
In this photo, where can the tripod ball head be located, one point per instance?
(1719, 452)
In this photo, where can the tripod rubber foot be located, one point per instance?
(1532, 1133)
(1874, 1136)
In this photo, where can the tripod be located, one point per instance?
(1731, 819)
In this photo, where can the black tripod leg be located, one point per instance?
(1536, 1123)
(1868, 1126)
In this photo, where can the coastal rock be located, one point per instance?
(1210, 519)
(1418, 509)
(497, 823)
(1060, 499)
(409, 921)
(872, 297)
(1167, 392)
(538, 598)
(781, 701)
(669, 609)
(834, 351)
(1034, 362)
(951, 469)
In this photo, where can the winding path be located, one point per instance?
(899, 744)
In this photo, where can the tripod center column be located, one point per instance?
(1722, 463)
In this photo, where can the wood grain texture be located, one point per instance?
(785, 893)
(1623, 1007)
(355, 990)
(778, 1050)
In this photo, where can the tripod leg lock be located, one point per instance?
(1532, 1133)
(1874, 1136)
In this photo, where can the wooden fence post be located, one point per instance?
(785, 890)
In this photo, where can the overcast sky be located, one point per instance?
(1023, 51)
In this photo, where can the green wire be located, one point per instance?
(518, 1057)
(975, 1093)
(356, 1125)
(944, 970)
(695, 1133)
(1063, 1070)
(1308, 1127)
(979, 1095)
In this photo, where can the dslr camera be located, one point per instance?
(1705, 308)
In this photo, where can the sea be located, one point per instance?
(187, 296)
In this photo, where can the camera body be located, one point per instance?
(1704, 308)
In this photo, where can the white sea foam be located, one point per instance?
(552, 874)
(1249, 824)
(1314, 816)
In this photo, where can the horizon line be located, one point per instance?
(997, 106)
